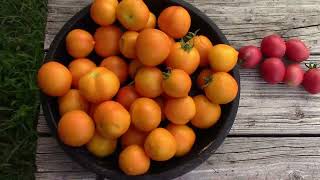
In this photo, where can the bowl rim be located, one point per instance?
(192, 163)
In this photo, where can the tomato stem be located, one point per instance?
(94, 74)
(207, 80)
(166, 74)
(186, 46)
(187, 41)
(190, 35)
(311, 65)
(131, 83)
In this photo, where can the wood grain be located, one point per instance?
(237, 158)
(243, 22)
(265, 110)
(247, 22)
(83, 175)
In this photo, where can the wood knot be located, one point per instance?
(299, 114)
(295, 175)
(248, 19)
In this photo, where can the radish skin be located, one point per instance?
(296, 50)
(294, 75)
(311, 80)
(250, 56)
(273, 46)
(273, 70)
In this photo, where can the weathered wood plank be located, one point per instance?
(264, 109)
(42, 126)
(268, 109)
(237, 158)
(243, 22)
(83, 175)
(246, 22)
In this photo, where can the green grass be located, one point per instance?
(22, 25)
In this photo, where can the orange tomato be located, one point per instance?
(222, 58)
(103, 12)
(152, 47)
(176, 83)
(201, 79)
(207, 113)
(148, 82)
(72, 101)
(151, 21)
(133, 14)
(183, 56)
(80, 67)
(54, 79)
(134, 66)
(75, 128)
(99, 85)
(126, 95)
(160, 145)
(180, 110)
(114, 3)
(222, 88)
(133, 136)
(100, 146)
(202, 44)
(160, 101)
(128, 44)
(185, 138)
(175, 21)
(117, 65)
(145, 114)
(112, 119)
(79, 43)
(107, 40)
(172, 41)
(134, 161)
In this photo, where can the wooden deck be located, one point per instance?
(276, 134)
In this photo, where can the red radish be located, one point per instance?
(273, 46)
(250, 56)
(311, 79)
(273, 70)
(294, 75)
(296, 50)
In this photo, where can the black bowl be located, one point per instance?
(207, 140)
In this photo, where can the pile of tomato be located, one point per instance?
(151, 117)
